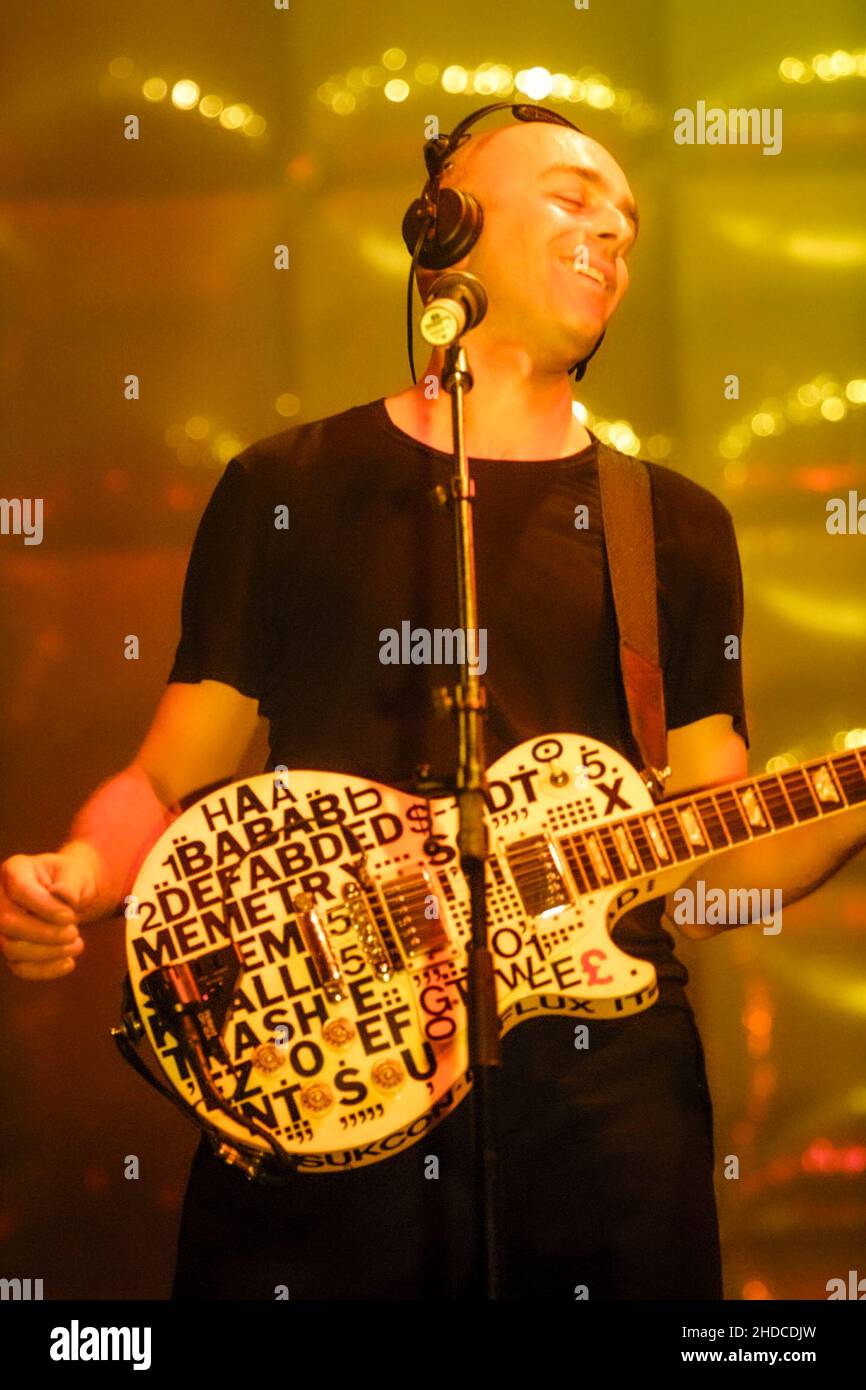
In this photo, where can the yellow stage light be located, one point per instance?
(233, 117)
(396, 89)
(185, 94)
(536, 83)
(454, 79)
(762, 423)
(226, 447)
(154, 89)
(120, 68)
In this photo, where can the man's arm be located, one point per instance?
(199, 735)
(710, 752)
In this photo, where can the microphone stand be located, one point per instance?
(472, 841)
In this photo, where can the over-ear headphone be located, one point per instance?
(443, 224)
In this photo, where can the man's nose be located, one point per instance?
(611, 227)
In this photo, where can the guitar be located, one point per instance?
(296, 941)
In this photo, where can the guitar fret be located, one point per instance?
(693, 826)
(614, 858)
(585, 861)
(657, 837)
(678, 840)
(596, 853)
(736, 826)
(713, 823)
(803, 802)
(757, 815)
(573, 862)
(851, 778)
(825, 785)
(641, 844)
(775, 799)
(625, 845)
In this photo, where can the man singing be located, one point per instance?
(606, 1152)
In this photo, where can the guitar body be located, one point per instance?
(324, 920)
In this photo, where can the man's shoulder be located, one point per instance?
(304, 444)
(679, 499)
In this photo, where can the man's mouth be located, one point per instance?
(588, 270)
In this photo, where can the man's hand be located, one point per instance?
(43, 898)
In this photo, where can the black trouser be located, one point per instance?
(606, 1181)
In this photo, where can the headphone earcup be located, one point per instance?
(458, 226)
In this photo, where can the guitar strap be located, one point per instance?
(627, 520)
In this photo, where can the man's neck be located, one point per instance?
(507, 415)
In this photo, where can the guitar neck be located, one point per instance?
(690, 828)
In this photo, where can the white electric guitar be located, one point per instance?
(296, 941)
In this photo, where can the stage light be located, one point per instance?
(226, 447)
(254, 125)
(287, 404)
(233, 117)
(393, 59)
(659, 446)
(185, 94)
(791, 69)
(196, 427)
(154, 89)
(780, 762)
(599, 95)
(535, 83)
(763, 424)
(210, 106)
(121, 68)
(484, 80)
(454, 79)
(396, 89)
(426, 74)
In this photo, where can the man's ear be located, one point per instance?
(425, 280)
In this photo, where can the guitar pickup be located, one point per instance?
(539, 876)
(317, 942)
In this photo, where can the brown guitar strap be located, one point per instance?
(627, 519)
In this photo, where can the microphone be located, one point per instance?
(456, 303)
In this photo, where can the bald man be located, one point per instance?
(607, 1152)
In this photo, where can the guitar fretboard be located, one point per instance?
(693, 827)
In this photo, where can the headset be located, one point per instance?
(443, 224)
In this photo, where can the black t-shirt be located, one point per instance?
(292, 615)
